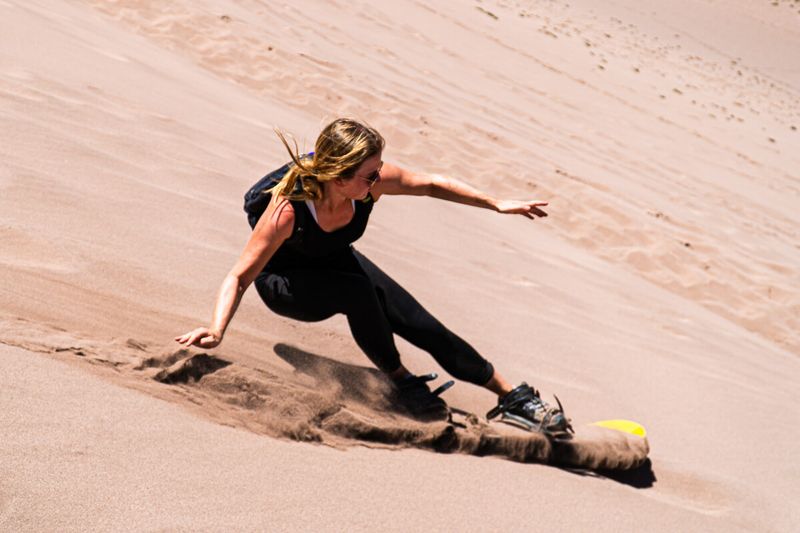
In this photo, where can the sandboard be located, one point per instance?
(603, 445)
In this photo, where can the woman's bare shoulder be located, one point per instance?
(390, 174)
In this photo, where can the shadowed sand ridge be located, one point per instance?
(350, 405)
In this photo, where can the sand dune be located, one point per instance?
(663, 287)
(692, 101)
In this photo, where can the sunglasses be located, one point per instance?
(372, 178)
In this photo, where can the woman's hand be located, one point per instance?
(202, 337)
(528, 209)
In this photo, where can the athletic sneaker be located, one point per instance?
(524, 406)
(415, 395)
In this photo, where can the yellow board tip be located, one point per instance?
(626, 426)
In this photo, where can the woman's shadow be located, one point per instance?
(357, 383)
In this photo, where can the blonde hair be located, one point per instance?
(340, 149)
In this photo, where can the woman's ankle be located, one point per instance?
(498, 385)
(399, 374)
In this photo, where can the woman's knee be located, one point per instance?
(274, 288)
(276, 292)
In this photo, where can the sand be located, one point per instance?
(662, 288)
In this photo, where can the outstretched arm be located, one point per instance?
(397, 180)
(274, 227)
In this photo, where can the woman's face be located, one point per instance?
(365, 176)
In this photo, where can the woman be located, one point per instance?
(304, 267)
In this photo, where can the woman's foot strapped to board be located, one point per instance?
(524, 406)
(415, 395)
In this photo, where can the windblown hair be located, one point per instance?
(340, 148)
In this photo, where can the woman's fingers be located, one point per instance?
(530, 209)
(191, 337)
(209, 341)
(538, 211)
(202, 337)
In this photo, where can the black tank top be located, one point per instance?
(318, 248)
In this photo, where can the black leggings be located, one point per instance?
(376, 307)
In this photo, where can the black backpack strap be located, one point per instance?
(256, 201)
